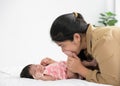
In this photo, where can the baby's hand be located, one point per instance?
(46, 61)
(91, 63)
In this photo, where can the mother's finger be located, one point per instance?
(70, 61)
(75, 56)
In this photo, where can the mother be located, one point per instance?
(72, 33)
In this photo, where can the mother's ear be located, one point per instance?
(76, 37)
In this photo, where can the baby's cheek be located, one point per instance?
(38, 75)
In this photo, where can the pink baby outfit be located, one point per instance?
(57, 70)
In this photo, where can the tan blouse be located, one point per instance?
(103, 43)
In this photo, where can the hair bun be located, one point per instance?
(75, 14)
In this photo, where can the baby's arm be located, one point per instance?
(47, 78)
(46, 61)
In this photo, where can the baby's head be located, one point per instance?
(32, 71)
(25, 73)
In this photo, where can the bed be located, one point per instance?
(10, 77)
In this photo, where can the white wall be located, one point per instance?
(117, 11)
(25, 25)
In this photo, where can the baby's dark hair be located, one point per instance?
(25, 72)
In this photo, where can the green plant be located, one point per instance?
(108, 19)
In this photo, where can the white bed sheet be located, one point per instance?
(7, 79)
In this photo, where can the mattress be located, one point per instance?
(13, 79)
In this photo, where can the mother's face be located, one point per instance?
(71, 46)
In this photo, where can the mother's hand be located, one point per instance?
(74, 63)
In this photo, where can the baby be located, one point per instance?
(48, 69)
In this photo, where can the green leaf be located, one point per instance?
(111, 22)
(102, 14)
(107, 18)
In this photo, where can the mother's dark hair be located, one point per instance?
(64, 27)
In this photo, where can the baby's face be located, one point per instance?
(36, 70)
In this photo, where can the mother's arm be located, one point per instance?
(107, 55)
